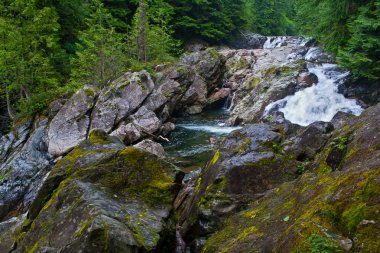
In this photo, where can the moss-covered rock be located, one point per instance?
(323, 211)
(246, 164)
(102, 197)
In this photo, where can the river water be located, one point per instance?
(192, 143)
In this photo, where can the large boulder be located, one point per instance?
(171, 88)
(152, 147)
(261, 77)
(209, 64)
(143, 123)
(122, 98)
(21, 174)
(71, 124)
(102, 197)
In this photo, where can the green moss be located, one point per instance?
(319, 243)
(245, 145)
(216, 157)
(89, 92)
(146, 178)
(99, 137)
(35, 246)
(167, 94)
(352, 217)
(198, 186)
(241, 236)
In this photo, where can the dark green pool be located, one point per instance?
(190, 144)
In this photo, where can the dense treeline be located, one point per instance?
(50, 48)
(349, 28)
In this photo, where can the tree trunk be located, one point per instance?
(141, 37)
(9, 106)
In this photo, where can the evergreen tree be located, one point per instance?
(100, 56)
(362, 53)
(158, 45)
(214, 21)
(349, 28)
(28, 50)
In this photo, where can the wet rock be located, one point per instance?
(317, 55)
(263, 79)
(56, 106)
(123, 97)
(195, 97)
(309, 141)
(103, 197)
(152, 147)
(248, 40)
(297, 215)
(23, 171)
(307, 79)
(219, 94)
(167, 128)
(70, 126)
(341, 118)
(209, 64)
(366, 91)
(143, 123)
(346, 244)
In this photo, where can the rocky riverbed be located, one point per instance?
(131, 168)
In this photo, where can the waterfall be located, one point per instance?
(319, 102)
(280, 41)
(232, 102)
(273, 42)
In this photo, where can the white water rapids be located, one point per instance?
(319, 102)
(220, 129)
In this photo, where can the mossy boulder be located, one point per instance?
(102, 197)
(323, 211)
(247, 163)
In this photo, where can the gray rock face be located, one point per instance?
(261, 77)
(195, 96)
(9, 230)
(123, 97)
(71, 124)
(23, 171)
(309, 141)
(209, 64)
(106, 198)
(142, 123)
(152, 147)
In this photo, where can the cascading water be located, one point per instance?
(319, 102)
(232, 103)
(279, 41)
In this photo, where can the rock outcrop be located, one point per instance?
(132, 108)
(333, 202)
(101, 197)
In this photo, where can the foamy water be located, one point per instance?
(319, 102)
(209, 128)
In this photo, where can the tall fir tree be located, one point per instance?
(27, 53)
(101, 50)
(362, 52)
